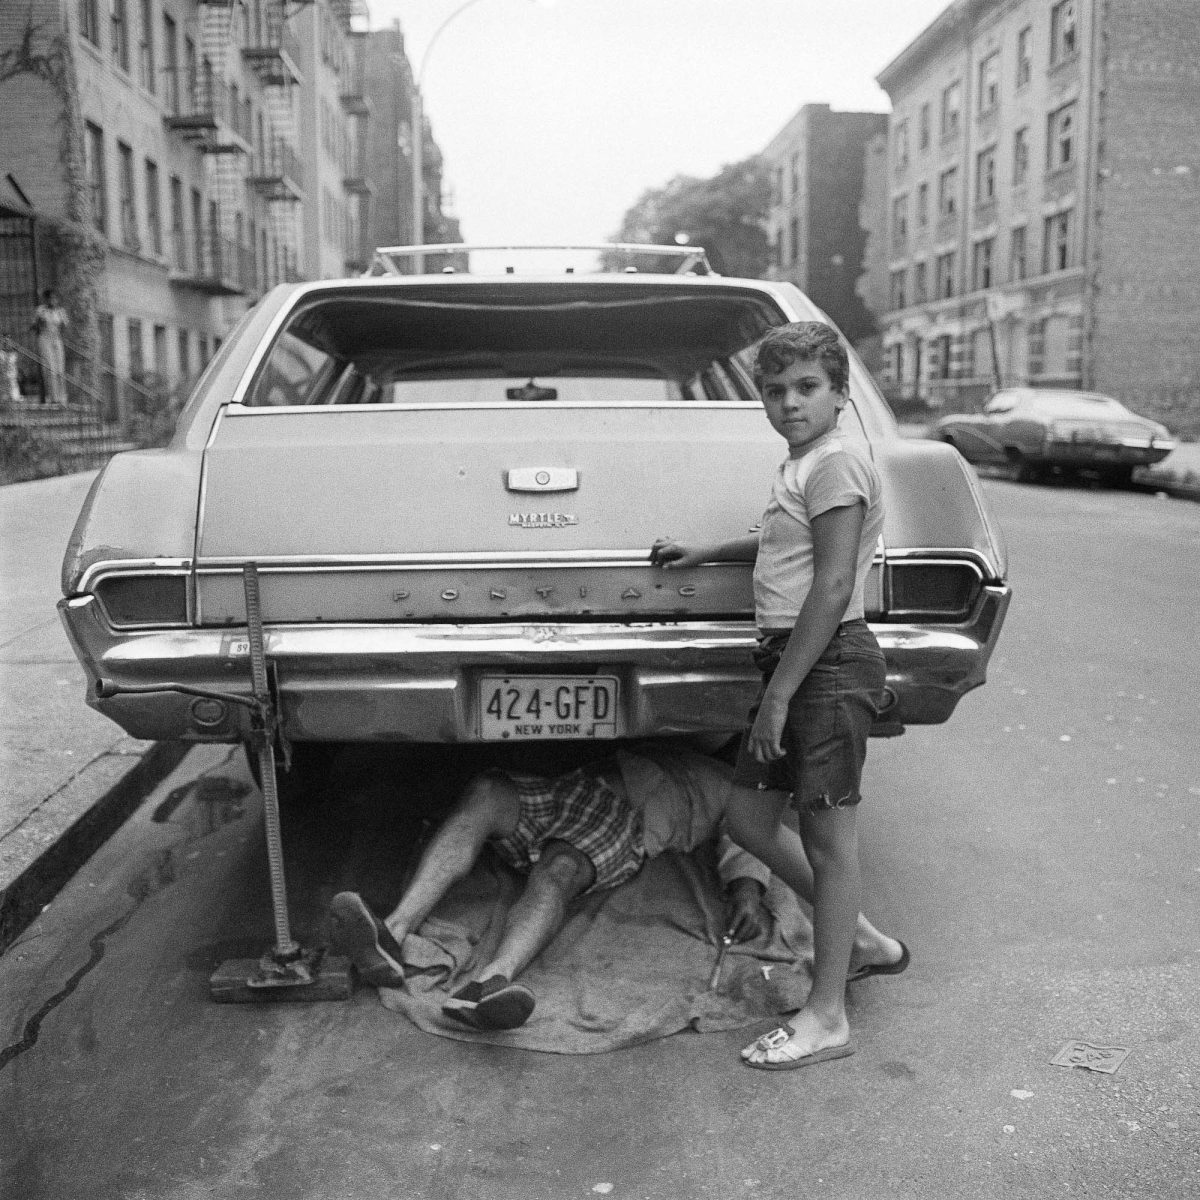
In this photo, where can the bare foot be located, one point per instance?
(805, 1037)
(879, 956)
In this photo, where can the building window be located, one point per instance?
(795, 172)
(922, 205)
(1017, 260)
(948, 193)
(183, 349)
(777, 186)
(118, 24)
(920, 283)
(1063, 32)
(1020, 168)
(941, 356)
(923, 126)
(129, 231)
(89, 20)
(985, 176)
(951, 109)
(137, 360)
(1024, 56)
(901, 146)
(1060, 137)
(981, 265)
(1056, 246)
(93, 153)
(178, 240)
(896, 289)
(160, 351)
(153, 208)
(794, 229)
(171, 62)
(198, 240)
(944, 267)
(989, 83)
(146, 48)
(895, 362)
(899, 223)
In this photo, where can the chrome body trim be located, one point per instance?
(415, 682)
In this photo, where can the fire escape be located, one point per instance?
(272, 51)
(356, 181)
(211, 112)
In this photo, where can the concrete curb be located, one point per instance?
(72, 824)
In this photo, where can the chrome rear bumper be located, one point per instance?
(396, 682)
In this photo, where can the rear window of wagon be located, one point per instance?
(519, 343)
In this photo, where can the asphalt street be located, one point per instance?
(1040, 854)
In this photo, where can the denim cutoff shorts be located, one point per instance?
(829, 720)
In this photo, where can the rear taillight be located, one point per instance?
(932, 590)
(143, 600)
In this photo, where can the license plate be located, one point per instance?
(523, 707)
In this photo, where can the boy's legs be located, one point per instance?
(755, 820)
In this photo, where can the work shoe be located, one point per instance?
(356, 932)
(494, 1003)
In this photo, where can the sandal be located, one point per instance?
(781, 1043)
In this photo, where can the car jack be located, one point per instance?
(287, 970)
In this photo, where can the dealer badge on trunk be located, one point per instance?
(542, 520)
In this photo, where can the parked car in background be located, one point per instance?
(1037, 431)
(449, 484)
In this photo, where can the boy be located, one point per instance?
(823, 674)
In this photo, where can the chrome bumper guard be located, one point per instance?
(417, 682)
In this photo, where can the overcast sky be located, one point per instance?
(554, 116)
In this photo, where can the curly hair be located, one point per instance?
(803, 341)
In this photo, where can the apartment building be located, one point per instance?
(816, 163)
(1038, 220)
(179, 158)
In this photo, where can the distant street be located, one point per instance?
(1040, 854)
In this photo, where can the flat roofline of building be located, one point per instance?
(948, 23)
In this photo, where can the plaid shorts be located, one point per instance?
(582, 810)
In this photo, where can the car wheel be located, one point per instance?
(307, 780)
(1025, 471)
(1117, 477)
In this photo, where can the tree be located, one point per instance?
(725, 214)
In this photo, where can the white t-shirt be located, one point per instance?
(831, 474)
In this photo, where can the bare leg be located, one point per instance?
(831, 836)
(490, 808)
(760, 821)
(561, 874)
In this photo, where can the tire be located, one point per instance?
(1117, 477)
(1025, 471)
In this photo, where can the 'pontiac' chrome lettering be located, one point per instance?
(688, 590)
(631, 594)
(541, 520)
(397, 596)
(545, 592)
(498, 593)
(450, 594)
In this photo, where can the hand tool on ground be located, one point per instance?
(286, 971)
(726, 942)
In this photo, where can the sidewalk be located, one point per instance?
(1178, 474)
(69, 776)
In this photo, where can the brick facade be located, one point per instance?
(816, 162)
(1043, 191)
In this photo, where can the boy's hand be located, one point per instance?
(765, 742)
(745, 918)
(667, 553)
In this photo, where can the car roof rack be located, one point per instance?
(611, 256)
